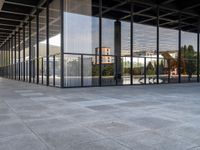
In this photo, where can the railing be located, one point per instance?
(21, 71)
(83, 70)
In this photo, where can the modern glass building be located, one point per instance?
(78, 43)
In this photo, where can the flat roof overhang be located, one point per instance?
(173, 14)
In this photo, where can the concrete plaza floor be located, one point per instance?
(155, 117)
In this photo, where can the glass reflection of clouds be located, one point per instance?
(80, 30)
(189, 39)
(78, 33)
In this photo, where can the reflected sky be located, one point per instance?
(82, 34)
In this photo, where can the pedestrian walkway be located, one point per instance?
(155, 117)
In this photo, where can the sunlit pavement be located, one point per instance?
(152, 117)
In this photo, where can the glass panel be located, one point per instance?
(168, 64)
(72, 70)
(108, 70)
(51, 70)
(42, 46)
(90, 74)
(21, 54)
(125, 52)
(44, 70)
(126, 69)
(188, 57)
(27, 51)
(144, 47)
(54, 38)
(34, 49)
(110, 46)
(81, 35)
(17, 57)
(57, 70)
(138, 70)
(27, 70)
(41, 70)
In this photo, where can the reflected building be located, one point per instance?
(106, 57)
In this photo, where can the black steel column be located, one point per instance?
(62, 67)
(47, 46)
(100, 42)
(10, 64)
(145, 71)
(9, 58)
(4, 60)
(12, 57)
(19, 60)
(198, 44)
(82, 70)
(179, 51)
(24, 59)
(157, 50)
(131, 48)
(42, 65)
(15, 55)
(54, 70)
(169, 70)
(37, 44)
(117, 42)
(30, 54)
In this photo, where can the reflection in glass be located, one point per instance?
(125, 53)
(33, 50)
(73, 70)
(108, 61)
(54, 40)
(144, 52)
(168, 56)
(188, 57)
(81, 35)
(27, 52)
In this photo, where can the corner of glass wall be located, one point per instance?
(54, 43)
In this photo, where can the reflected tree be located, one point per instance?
(189, 65)
(150, 69)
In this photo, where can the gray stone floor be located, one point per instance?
(156, 117)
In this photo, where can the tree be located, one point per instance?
(108, 70)
(161, 67)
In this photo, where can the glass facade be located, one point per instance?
(76, 43)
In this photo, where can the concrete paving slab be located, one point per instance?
(23, 142)
(156, 117)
